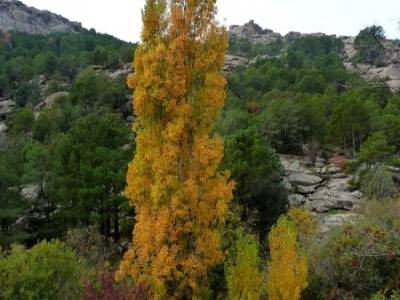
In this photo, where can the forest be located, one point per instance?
(192, 165)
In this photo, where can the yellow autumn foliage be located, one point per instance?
(243, 275)
(307, 225)
(287, 268)
(180, 197)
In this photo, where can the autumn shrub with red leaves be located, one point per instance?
(105, 288)
(253, 107)
(339, 161)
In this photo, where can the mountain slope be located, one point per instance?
(16, 16)
(252, 41)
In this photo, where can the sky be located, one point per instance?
(122, 18)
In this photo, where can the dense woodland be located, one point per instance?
(69, 241)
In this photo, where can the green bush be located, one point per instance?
(378, 184)
(361, 258)
(48, 271)
(375, 150)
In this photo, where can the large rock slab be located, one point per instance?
(31, 192)
(6, 107)
(327, 199)
(50, 100)
(233, 61)
(304, 179)
(305, 190)
(296, 200)
(329, 222)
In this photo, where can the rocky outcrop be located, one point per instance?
(320, 187)
(331, 221)
(31, 192)
(123, 72)
(50, 100)
(6, 107)
(16, 16)
(254, 33)
(233, 61)
(388, 73)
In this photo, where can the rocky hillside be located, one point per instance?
(388, 71)
(16, 16)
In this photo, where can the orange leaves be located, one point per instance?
(179, 197)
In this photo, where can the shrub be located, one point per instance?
(363, 257)
(307, 226)
(105, 288)
(375, 150)
(378, 184)
(48, 271)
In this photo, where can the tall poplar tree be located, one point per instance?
(287, 268)
(179, 195)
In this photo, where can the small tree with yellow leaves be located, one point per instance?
(306, 224)
(243, 275)
(180, 197)
(287, 268)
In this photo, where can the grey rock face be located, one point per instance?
(50, 100)
(296, 200)
(233, 61)
(329, 222)
(3, 127)
(6, 107)
(304, 179)
(16, 16)
(305, 190)
(327, 199)
(254, 32)
(31, 192)
(320, 194)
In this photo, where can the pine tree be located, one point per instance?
(179, 196)
(287, 268)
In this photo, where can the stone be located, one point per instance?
(339, 175)
(16, 16)
(305, 190)
(6, 107)
(333, 170)
(31, 192)
(393, 169)
(233, 61)
(3, 127)
(122, 72)
(296, 200)
(329, 222)
(340, 184)
(130, 119)
(327, 199)
(304, 179)
(357, 194)
(294, 164)
(254, 33)
(50, 100)
(287, 185)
